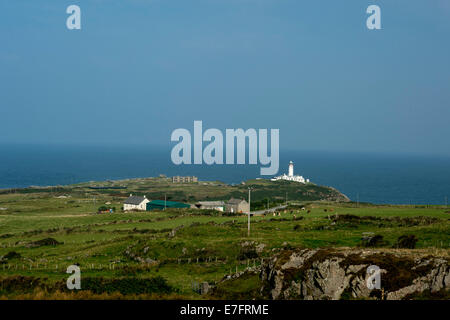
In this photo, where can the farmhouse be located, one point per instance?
(212, 205)
(135, 203)
(237, 206)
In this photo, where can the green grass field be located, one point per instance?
(205, 247)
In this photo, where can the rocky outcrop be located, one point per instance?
(174, 231)
(333, 274)
(342, 274)
(131, 255)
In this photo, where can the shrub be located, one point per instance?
(97, 285)
(43, 242)
(21, 284)
(9, 256)
(406, 242)
(12, 255)
(127, 285)
(247, 252)
(373, 241)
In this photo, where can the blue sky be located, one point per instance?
(139, 69)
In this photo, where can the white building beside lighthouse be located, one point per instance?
(290, 176)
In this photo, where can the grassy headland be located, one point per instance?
(165, 254)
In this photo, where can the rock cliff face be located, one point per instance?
(342, 274)
(314, 274)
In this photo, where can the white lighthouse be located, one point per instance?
(290, 176)
(291, 169)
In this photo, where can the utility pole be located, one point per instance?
(165, 201)
(249, 210)
(357, 200)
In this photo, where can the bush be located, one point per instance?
(373, 241)
(9, 256)
(247, 252)
(20, 284)
(127, 285)
(406, 242)
(43, 242)
(105, 208)
(12, 255)
(97, 285)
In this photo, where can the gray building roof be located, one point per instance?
(211, 203)
(136, 200)
(235, 201)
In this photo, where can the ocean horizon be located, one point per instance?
(367, 177)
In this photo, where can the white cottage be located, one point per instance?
(135, 203)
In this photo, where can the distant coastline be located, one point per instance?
(381, 179)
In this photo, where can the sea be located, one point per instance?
(365, 177)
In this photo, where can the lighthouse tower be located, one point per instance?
(291, 169)
(290, 176)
